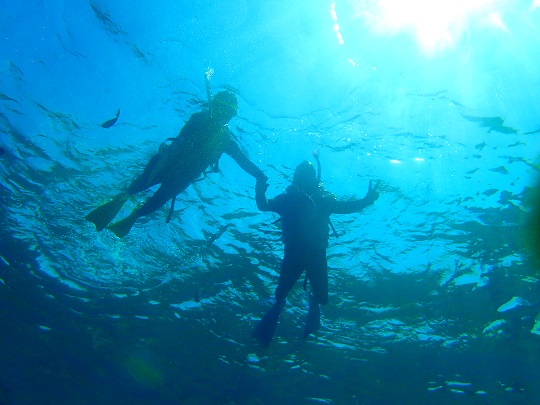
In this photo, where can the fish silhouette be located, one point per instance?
(491, 123)
(112, 121)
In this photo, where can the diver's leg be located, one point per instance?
(317, 273)
(313, 320)
(291, 269)
(164, 193)
(264, 331)
(104, 214)
(147, 179)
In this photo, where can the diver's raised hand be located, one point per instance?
(372, 195)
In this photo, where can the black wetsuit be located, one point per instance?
(305, 225)
(200, 144)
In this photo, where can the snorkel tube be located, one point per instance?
(319, 170)
(207, 75)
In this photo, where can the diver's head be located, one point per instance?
(305, 177)
(224, 106)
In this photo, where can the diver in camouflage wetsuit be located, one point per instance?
(200, 144)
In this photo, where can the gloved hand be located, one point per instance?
(372, 194)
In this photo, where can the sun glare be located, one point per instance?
(436, 24)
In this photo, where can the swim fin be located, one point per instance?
(264, 331)
(105, 213)
(122, 227)
(313, 321)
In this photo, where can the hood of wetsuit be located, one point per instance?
(305, 177)
(224, 106)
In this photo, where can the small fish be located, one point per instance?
(112, 121)
(532, 132)
(492, 123)
(490, 192)
(197, 297)
(500, 169)
(480, 146)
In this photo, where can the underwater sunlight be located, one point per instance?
(436, 24)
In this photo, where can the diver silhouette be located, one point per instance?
(305, 210)
(199, 145)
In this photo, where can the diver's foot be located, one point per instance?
(264, 331)
(313, 321)
(104, 214)
(122, 228)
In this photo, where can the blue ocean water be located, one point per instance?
(434, 296)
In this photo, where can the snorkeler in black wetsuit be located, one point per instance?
(305, 210)
(201, 142)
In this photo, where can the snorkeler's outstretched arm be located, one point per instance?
(348, 207)
(260, 195)
(277, 204)
(233, 150)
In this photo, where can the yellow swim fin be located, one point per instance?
(105, 213)
(122, 227)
